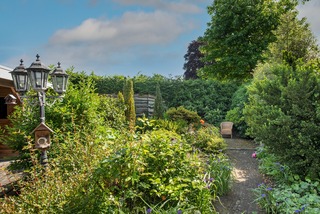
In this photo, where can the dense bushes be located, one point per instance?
(283, 113)
(287, 193)
(97, 166)
(207, 139)
(235, 114)
(81, 107)
(211, 99)
(184, 114)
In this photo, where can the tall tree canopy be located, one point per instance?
(295, 40)
(193, 59)
(239, 32)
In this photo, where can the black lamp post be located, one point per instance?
(20, 78)
(59, 80)
(37, 76)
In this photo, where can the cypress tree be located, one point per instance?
(128, 95)
(158, 104)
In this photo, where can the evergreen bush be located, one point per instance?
(283, 113)
(208, 140)
(130, 111)
(181, 113)
(235, 114)
(210, 98)
(158, 104)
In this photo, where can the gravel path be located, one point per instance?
(240, 199)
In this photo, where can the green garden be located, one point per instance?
(258, 73)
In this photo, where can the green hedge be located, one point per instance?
(284, 114)
(211, 99)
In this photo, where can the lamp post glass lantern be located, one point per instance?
(37, 76)
(20, 78)
(59, 80)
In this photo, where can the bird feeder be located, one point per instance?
(10, 100)
(42, 136)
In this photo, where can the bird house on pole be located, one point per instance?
(10, 100)
(42, 136)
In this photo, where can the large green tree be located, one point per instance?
(237, 35)
(295, 40)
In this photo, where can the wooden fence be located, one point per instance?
(144, 105)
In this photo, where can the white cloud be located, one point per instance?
(101, 41)
(131, 29)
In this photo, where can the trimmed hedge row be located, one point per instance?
(211, 99)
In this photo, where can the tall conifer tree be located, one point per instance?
(128, 94)
(158, 104)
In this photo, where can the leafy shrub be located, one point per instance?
(184, 114)
(157, 169)
(235, 114)
(286, 193)
(66, 176)
(208, 140)
(80, 108)
(179, 126)
(210, 98)
(283, 113)
(97, 166)
(145, 124)
(300, 197)
(219, 169)
(215, 116)
(270, 165)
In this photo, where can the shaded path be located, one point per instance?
(246, 177)
(8, 178)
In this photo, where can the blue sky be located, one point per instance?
(109, 37)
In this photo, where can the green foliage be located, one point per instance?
(184, 114)
(80, 108)
(289, 193)
(95, 169)
(23, 121)
(235, 114)
(157, 169)
(219, 168)
(283, 113)
(145, 124)
(210, 98)
(67, 175)
(131, 178)
(130, 112)
(269, 165)
(179, 126)
(236, 37)
(295, 41)
(97, 166)
(208, 140)
(158, 104)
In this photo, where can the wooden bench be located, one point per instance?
(226, 128)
